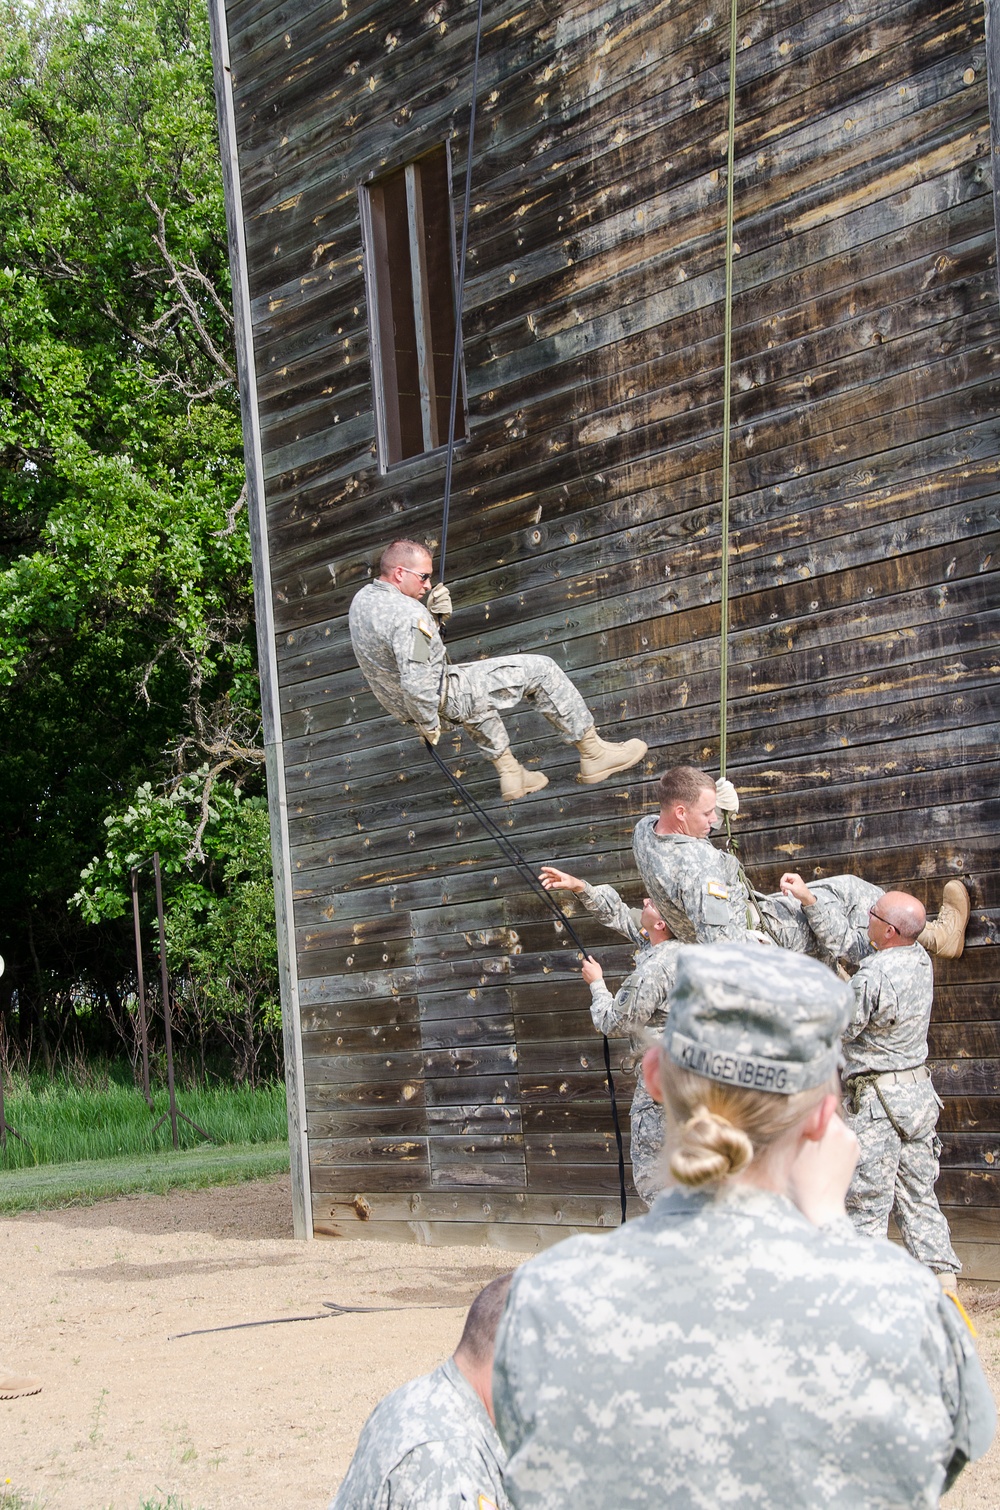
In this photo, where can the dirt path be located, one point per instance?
(257, 1418)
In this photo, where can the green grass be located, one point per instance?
(106, 1117)
(15, 1499)
(91, 1180)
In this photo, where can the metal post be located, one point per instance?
(143, 1031)
(165, 992)
(172, 1113)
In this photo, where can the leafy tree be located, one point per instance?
(221, 946)
(126, 624)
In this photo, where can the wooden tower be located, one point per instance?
(444, 1079)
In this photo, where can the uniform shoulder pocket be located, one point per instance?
(420, 650)
(716, 903)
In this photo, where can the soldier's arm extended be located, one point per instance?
(420, 664)
(603, 901)
(609, 909)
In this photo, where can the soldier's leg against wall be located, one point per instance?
(466, 702)
(870, 1197)
(922, 1223)
(507, 680)
(646, 1139)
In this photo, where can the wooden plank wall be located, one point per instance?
(454, 1085)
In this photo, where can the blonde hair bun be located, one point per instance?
(709, 1148)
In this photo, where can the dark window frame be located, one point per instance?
(410, 290)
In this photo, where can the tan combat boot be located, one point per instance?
(945, 934)
(515, 781)
(598, 759)
(13, 1386)
(948, 1282)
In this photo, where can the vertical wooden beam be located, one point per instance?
(277, 801)
(993, 84)
(385, 379)
(421, 305)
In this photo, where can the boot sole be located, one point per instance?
(615, 770)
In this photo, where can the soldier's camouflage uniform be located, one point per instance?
(722, 1351)
(399, 649)
(705, 897)
(639, 1004)
(428, 1446)
(895, 1115)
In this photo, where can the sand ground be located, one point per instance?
(261, 1417)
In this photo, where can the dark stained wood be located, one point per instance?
(454, 1083)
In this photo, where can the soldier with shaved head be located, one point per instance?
(891, 1102)
(397, 643)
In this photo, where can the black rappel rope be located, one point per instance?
(514, 857)
(333, 1308)
(456, 355)
(508, 849)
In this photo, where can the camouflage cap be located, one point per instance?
(762, 1019)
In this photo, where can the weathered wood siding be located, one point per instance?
(452, 1076)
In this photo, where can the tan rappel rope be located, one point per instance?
(727, 390)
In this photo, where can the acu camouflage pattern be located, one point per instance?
(705, 896)
(608, 908)
(428, 1446)
(639, 1005)
(838, 920)
(893, 996)
(398, 646)
(895, 1124)
(473, 693)
(399, 649)
(722, 1351)
(760, 1019)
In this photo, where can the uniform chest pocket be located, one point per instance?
(420, 650)
(716, 903)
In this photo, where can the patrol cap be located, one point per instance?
(754, 1017)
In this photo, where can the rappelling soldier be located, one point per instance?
(397, 642)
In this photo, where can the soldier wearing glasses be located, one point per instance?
(398, 646)
(891, 1104)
